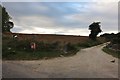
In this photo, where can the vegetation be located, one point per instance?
(23, 55)
(90, 43)
(6, 23)
(95, 30)
(114, 53)
(113, 48)
(14, 49)
(108, 36)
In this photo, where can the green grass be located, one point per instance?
(89, 43)
(112, 52)
(22, 55)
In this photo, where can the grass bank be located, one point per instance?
(112, 52)
(35, 55)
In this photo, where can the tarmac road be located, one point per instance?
(87, 63)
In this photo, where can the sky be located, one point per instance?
(66, 18)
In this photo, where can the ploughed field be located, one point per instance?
(49, 37)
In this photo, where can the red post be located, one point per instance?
(33, 46)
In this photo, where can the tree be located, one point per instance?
(6, 23)
(95, 30)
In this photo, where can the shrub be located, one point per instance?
(23, 45)
(89, 43)
(42, 46)
(70, 48)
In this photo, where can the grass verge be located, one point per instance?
(22, 55)
(112, 52)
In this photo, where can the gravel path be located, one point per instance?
(87, 63)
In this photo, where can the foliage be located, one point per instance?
(113, 48)
(14, 48)
(116, 39)
(71, 47)
(6, 23)
(108, 36)
(90, 43)
(95, 30)
(113, 38)
(42, 46)
(112, 52)
(23, 55)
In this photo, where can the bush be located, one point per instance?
(71, 47)
(42, 46)
(23, 45)
(89, 43)
(115, 40)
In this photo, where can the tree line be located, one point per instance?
(112, 37)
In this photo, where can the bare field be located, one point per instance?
(50, 37)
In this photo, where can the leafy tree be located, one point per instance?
(6, 23)
(95, 30)
(108, 36)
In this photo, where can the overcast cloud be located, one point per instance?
(71, 18)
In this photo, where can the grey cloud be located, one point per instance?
(65, 15)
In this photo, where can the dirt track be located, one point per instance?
(88, 63)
